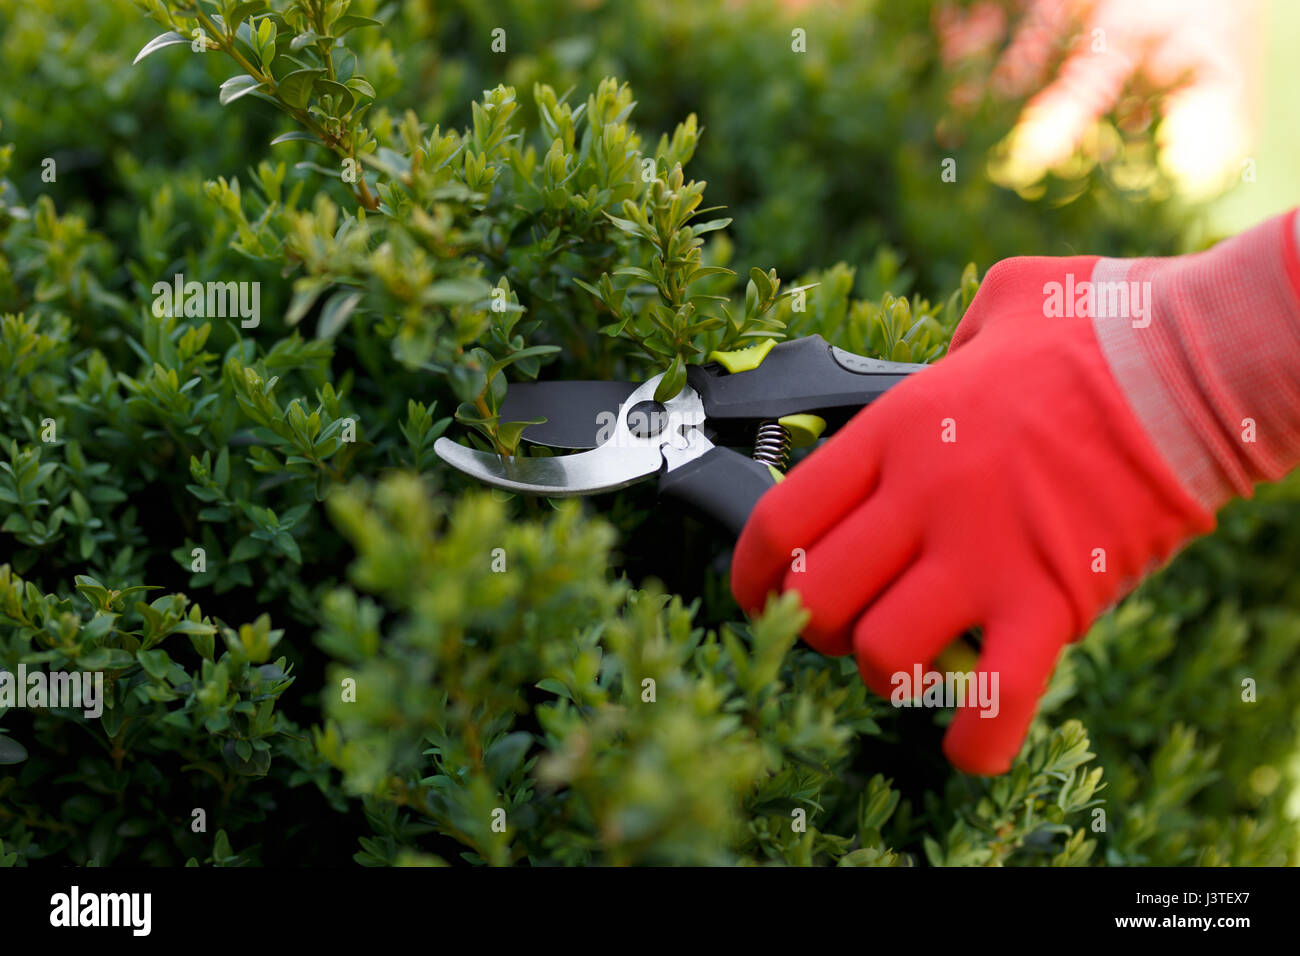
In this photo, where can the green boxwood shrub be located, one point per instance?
(352, 653)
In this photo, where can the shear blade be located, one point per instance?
(624, 457)
(606, 468)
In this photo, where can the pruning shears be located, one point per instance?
(769, 397)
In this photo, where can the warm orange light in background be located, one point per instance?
(1199, 58)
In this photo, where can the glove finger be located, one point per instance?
(909, 624)
(1014, 288)
(1019, 655)
(794, 514)
(852, 563)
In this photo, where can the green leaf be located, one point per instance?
(235, 87)
(170, 38)
(306, 292)
(245, 549)
(93, 591)
(460, 291)
(11, 751)
(508, 432)
(155, 663)
(637, 273)
(296, 135)
(295, 89)
(590, 288)
(352, 22)
(266, 33)
(532, 351)
(672, 381)
(303, 40)
(326, 87)
(106, 659)
(361, 87)
(933, 852)
(615, 328)
(241, 11)
(285, 542)
(553, 686)
(627, 225)
(504, 757)
(338, 309)
(711, 226)
(99, 627)
(763, 282)
(705, 272)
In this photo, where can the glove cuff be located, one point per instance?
(1206, 348)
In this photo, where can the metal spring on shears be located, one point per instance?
(772, 445)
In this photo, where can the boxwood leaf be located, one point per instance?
(295, 87)
(11, 751)
(170, 38)
(235, 87)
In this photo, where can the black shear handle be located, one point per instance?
(721, 483)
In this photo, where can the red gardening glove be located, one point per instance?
(1031, 477)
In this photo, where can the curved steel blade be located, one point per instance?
(622, 459)
(586, 473)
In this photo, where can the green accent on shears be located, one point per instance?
(804, 429)
(957, 658)
(776, 474)
(743, 360)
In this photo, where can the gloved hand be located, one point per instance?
(1063, 449)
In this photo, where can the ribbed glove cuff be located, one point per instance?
(1206, 348)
